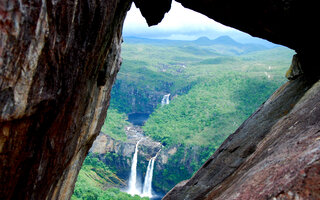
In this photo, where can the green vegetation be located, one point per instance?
(214, 87)
(114, 125)
(94, 193)
(209, 112)
(96, 182)
(153, 68)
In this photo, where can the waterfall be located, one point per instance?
(165, 100)
(147, 186)
(133, 189)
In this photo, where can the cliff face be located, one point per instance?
(58, 63)
(117, 155)
(147, 147)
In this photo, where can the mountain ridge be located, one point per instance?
(220, 39)
(227, 41)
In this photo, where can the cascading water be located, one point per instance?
(147, 186)
(165, 99)
(133, 188)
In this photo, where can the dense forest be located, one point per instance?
(214, 85)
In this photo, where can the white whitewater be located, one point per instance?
(165, 100)
(147, 186)
(133, 189)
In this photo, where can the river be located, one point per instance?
(138, 119)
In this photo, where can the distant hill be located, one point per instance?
(223, 40)
(233, 46)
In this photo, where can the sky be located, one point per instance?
(181, 24)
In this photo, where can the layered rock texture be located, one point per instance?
(59, 60)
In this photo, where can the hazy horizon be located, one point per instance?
(183, 24)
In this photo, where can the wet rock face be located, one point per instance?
(58, 62)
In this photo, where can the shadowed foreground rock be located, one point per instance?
(59, 60)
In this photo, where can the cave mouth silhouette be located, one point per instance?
(46, 134)
(182, 23)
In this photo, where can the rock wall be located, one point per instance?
(58, 62)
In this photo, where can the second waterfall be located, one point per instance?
(134, 188)
(147, 186)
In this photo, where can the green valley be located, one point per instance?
(214, 85)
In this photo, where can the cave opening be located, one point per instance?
(184, 86)
(59, 61)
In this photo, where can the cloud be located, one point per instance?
(179, 21)
(181, 24)
(183, 18)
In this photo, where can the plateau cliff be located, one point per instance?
(59, 60)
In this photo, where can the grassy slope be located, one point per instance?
(95, 181)
(176, 68)
(210, 111)
(226, 88)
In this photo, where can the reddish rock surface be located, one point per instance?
(58, 62)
